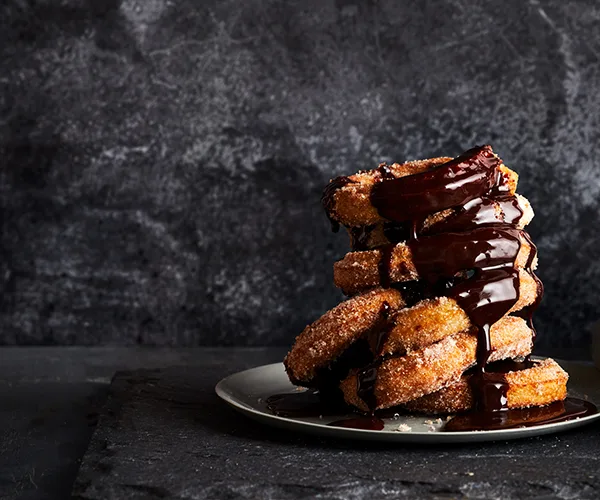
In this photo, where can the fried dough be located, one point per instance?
(359, 271)
(328, 337)
(377, 235)
(539, 385)
(432, 320)
(408, 329)
(350, 204)
(418, 373)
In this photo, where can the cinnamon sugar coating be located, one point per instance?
(418, 373)
(540, 385)
(327, 338)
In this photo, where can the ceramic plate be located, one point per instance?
(247, 391)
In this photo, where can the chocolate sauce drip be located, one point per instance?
(512, 211)
(448, 185)
(376, 337)
(446, 254)
(481, 211)
(327, 199)
(529, 310)
(415, 225)
(365, 384)
(490, 391)
(486, 298)
(473, 252)
(328, 378)
(490, 388)
(385, 263)
(394, 232)
(501, 186)
(487, 295)
(559, 411)
(414, 291)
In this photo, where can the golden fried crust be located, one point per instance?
(376, 236)
(432, 368)
(425, 323)
(413, 328)
(324, 340)
(351, 204)
(432, 320)
(359, 271)
(540, 385)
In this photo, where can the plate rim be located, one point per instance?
(417, 436)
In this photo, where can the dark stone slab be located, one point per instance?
(161, 162)
(165, 434)
(49, 403)
(45, 428)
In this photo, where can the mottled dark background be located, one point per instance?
(162, 161)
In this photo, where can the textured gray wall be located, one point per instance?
(162, 161)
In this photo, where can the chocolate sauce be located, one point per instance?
(505, 366)
(359, 237)
(309, 403)
(377, 335)
(481, 211)
(490, 388)
(328, 378)
(501, 186)
(327, 199)
(488, 295)
(365, 384)
(448, 185)
(415, 291)
(486, 300)
(559, 411)
(385, 172)
(367, 423)
(512, 212)
(367, 376)
(304, 404)
(415, 225)
(385, 264)
(396, 231)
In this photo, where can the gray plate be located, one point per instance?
(247, 391)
